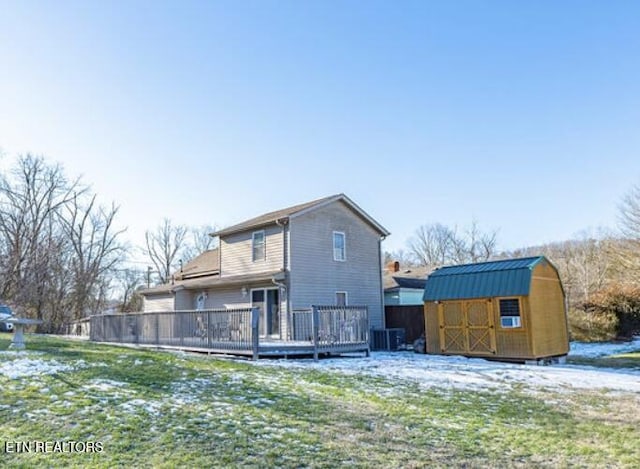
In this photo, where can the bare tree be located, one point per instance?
(30, 200)
(198, 240)
(130, 280)
(96, 249)
(629, 213)
(436, 245)
(164, 246)
(431, 245)
(404, 258)
(481, 246)
(628, 254)
(58, 249)
(586, 264)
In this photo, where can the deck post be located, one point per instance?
(255, 332)
(315, 329)
(180, 318)
(209, 329)
(157, 315)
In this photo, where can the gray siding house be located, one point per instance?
(323, 252)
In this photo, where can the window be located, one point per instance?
(510, 313)
(259, 251)
(339, 252)
(341, 298)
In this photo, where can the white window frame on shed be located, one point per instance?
(340, 253)
(255, 246)
(346, 298)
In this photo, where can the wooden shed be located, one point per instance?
(510, 310)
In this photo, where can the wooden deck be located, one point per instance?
(320, 331)
(266, 349)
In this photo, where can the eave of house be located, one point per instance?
(216, 282)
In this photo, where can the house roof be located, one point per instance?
(414, 283)
(207, 263)
(214, 281)
(285, 213)
(412, 277)
(511, 277)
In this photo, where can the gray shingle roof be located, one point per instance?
(272, 217)
(206, 263)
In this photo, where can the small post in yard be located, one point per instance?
(315, 329)
(255, 331)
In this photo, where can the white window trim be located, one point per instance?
(344, 245)
(346, 297)
(253, 245)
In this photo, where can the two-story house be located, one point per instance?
(323, 252)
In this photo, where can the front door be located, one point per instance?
(268, 300)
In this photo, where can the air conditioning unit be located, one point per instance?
(387, 339)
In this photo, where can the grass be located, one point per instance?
(156, 409)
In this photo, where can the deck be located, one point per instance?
(313, 332)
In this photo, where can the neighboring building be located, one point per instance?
(404, 286)
(512, 309)
(324, 252)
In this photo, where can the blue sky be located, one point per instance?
(522, 115)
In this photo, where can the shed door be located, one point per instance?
(480, 331)
(452, 327)
(466, 327)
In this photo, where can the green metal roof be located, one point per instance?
(510, 277)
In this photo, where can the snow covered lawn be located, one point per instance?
(390, 410)
(452, 372)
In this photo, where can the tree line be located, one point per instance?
(63, 256)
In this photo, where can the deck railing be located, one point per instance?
(320, 329)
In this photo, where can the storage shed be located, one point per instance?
(511, 310)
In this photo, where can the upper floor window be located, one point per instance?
(510, 313)
(339, 251)
(258, 245)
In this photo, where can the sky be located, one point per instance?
(524, 116)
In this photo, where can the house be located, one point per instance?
(404, 286)
(323, 252)
(403, 304)
(511, 309)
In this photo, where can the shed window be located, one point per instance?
(341, 298)
(258, 244)
(339, 251)
(510, 313)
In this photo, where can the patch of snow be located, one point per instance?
(135, 404)
(104, 385)
(28, 367)
(603, 349)
(456, 372)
